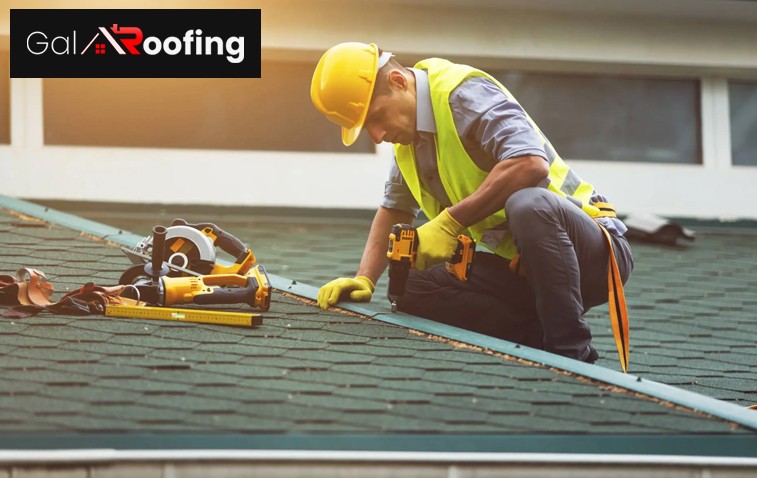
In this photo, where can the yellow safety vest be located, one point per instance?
(460, 175)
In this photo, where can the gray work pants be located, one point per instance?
(565, 256)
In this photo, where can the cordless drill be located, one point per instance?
(403, 247)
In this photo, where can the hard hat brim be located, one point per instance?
(350, 135)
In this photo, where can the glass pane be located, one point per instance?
(273, 113)
(5, 98)
(613, 118)
(743, 101)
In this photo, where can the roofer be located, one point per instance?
(469, 156)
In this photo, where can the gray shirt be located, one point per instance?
(491, 126)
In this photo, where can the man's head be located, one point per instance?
(357, 86)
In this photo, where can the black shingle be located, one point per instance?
(308, 371)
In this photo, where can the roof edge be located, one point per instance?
(568, 448)
(685, 398)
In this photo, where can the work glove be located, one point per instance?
(360, 289)
(437, 240)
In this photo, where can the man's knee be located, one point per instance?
(524, 204)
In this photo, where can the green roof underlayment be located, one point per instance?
(308, 373)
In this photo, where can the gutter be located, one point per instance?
(99, 456)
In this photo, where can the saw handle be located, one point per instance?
(221, 238)
(230, 295)
(223, 295)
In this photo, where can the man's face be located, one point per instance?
(392, 115)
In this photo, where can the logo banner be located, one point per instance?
(135, 43)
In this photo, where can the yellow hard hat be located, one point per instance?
(342, 85)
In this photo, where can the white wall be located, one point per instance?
(713, 47)
(32, 170)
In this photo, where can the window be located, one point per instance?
(743, 106)
(272, 113)
(5, 98)
(613, 118)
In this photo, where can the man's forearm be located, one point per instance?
(505, 178)
(374, 261)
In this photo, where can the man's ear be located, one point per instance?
(397, 79)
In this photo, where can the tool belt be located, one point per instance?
(29, 293)
(616, 298)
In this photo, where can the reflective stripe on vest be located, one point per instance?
(460, 175)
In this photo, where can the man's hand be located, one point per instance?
(360, 289)
(437, 240)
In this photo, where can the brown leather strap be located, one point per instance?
(94, 297)
(36, 290)
(8, 290)
(30, 293)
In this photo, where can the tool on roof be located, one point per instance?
(189, 249)
(216, 317)
(253, 289)
(157, 279)
(181, 268)
(403, 248)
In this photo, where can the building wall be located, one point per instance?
(259, 142)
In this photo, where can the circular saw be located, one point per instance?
(190, 250)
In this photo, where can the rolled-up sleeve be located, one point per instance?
(396, 193)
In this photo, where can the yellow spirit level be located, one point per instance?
(203, 316)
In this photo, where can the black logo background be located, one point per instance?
(157, 23)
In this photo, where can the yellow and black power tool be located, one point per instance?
(403, 248)
(252, 289)
(164, 282)
(186, 249)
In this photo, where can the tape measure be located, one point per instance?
(239, 319)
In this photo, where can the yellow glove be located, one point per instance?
(360, 289)
(437, 240)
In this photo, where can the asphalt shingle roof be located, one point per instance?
(309, 371)
(692, 308)
(694, 315)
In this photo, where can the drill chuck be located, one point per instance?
(398, 273)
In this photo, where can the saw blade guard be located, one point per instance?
(186, 247)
